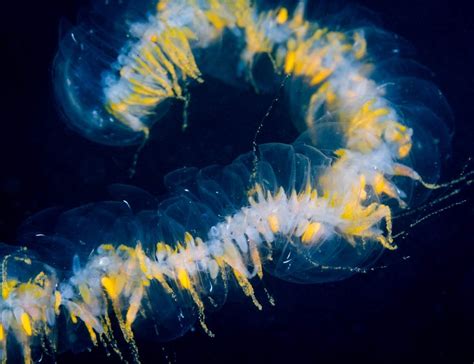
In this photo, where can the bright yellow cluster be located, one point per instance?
(124, 284)
(355, 219)
(122, 290)
(27, 309)
(165, 58)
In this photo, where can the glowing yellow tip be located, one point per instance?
(26, 323)
(290, 62)
(188, 238)
(161, 5)
(282, 16)
(132, 313)
(85, 294)
(404, 150)
(73, 318)
(92, 334)
(310, 232)
(7, 287)
(110, 286)
(274, 223)
(2, 333)
(57, 302)
(360, 46)
(184, 279)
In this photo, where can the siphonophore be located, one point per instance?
(315, 211)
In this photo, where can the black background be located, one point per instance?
(419, 309)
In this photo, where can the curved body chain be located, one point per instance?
(315, 211)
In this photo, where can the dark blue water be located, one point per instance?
(417, 309)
